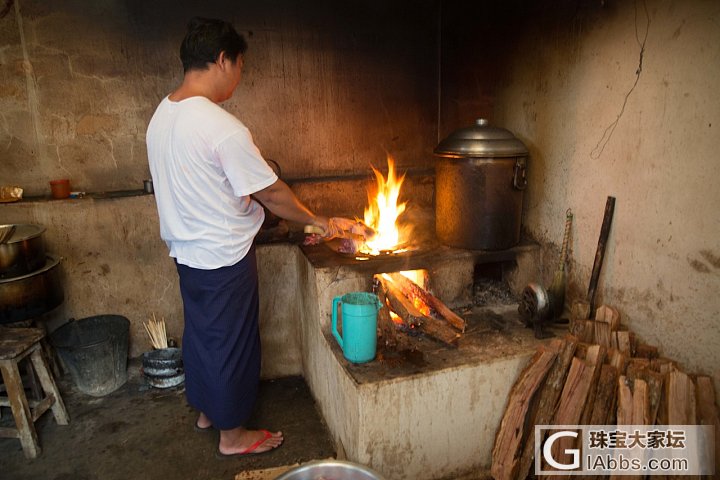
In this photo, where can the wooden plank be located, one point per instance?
(512, 432)
(548, 397)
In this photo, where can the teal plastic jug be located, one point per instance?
(359, 325)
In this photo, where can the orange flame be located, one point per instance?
(383, 212)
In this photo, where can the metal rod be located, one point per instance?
(600, 253)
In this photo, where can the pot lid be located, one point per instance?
(481, 140)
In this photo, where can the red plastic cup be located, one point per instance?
(60, 188)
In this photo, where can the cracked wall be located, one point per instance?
(604, 116)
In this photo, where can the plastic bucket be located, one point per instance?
(94, 350)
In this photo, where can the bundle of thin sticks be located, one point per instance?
(157, 333)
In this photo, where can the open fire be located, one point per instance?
(383, 213)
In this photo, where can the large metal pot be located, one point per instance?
(33, 294)
(479, 181)
(23, 252)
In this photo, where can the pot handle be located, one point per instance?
(336, 301)
(520, 174)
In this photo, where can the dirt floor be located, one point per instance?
(139, 432)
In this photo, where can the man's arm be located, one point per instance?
(280, 200)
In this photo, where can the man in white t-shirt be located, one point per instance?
(205, 167)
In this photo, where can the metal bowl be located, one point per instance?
(23, 250)
(330, 470)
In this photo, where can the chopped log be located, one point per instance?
(663, 365)
(641, 403)
(580, 310)
(584, 330)
(680, 392)
(608, 315)
(625, 402)
(624, 343)
(440, 331)
(603, 334)
(605, 397)
(644, 350)
(654, 382)
(596, 357)
(581, 350)
(428, 326)
(413, 290)
(548, 397)
(707, 413)
(638, 364)
(400, 304)
(618, 360)
(573, 399)
(388, 329)
(512, 434)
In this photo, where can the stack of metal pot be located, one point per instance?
(29, 278)
(479, 181)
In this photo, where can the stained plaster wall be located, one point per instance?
(328, 90)
(623, 99)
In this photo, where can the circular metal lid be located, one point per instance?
(25, 231)
(481, 140)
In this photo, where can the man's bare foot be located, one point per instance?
(203, 422)
(239, 441)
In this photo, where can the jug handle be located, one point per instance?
(336, 302)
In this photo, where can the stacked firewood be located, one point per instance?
(599, 374)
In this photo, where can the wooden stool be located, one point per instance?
(16, 344)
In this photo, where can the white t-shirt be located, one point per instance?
(204, 166)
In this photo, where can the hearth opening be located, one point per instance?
(413, 310)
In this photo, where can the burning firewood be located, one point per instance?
(389, 332)
(413, 318)
(430, 303)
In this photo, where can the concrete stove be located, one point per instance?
(428, 414)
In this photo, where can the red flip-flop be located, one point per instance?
(251, 449)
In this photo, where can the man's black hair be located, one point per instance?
(205, 39)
